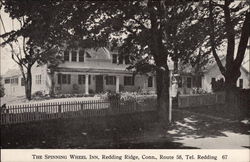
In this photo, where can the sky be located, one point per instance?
(5, 52)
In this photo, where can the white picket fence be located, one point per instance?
(196, 100)
(45, 111)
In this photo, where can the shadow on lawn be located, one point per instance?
(132, 131)
(193, 126)
(110, 132)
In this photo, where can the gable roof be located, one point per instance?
(12, 72)
(99, 53)
(222, 59)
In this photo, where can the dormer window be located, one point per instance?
(66, 55)
(114, 58)
(81, 56)
(150, 81)
(73, 56)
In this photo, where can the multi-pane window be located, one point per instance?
(14, 80)
(81, 56)
(110, 80)
(120, 59)
(128, 80)
(7, 81)
(38, 79)
(73, 55)
(64, 78)
(241, 83)
(199, 81)
(22, 82)
(150, 81)
(114, 59)
(81, 79)
(66, 55)
(189, 82)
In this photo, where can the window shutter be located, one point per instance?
(79, 79)
(59, 78)
(69, 78)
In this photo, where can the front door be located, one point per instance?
(99, 83)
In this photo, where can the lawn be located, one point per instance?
(130, 131)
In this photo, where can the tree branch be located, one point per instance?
(212, 40)
(245, 34)
(230, 33)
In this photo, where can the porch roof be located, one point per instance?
(93, 70)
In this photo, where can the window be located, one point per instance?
(114, 59)
(180, 82)
(38, 79)
(241, 83)
(150, 81)
(194, 81)
(81, 56)
(64, 78)
(73, 56)
(110, 80)
(120, 59)
(199, 80)
(22, 82)
(81, 79)
(127, 60)
(14, 80)
(189, 82)
(212, 80)
(128, 80)
(66, 55)
(7, 81)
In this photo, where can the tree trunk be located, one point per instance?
(160, 57)
(28, 84)
(162, 82)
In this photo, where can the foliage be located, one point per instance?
(38, 38)
(229, 20)
(218, 85)
(199, 91)
(114, 96)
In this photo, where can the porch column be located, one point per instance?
(117, 84)
(86, 84)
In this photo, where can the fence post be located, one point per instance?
(7, 116)
(59, 111)
(37, 113)
(81, 109)
(135, 106)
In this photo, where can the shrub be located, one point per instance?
(218, 85)
(38, 94)
(199, 91)
(113, 96)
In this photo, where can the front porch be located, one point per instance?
(93, 81)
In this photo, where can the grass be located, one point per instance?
(130, 131)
